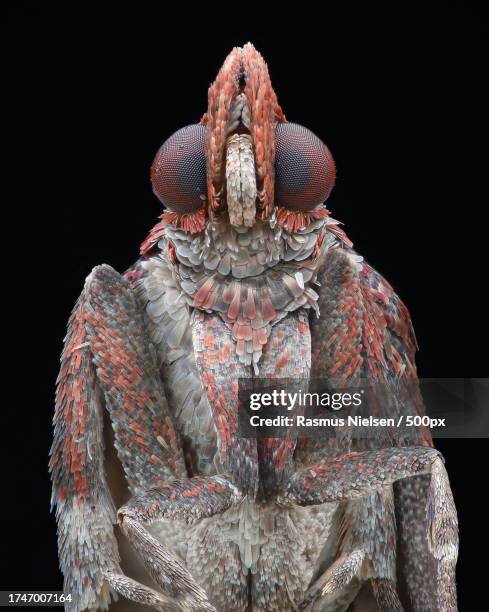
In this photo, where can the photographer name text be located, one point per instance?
(350, 421)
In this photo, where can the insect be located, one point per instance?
(246, 276)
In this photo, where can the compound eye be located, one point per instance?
(178, 173)
(304, 168)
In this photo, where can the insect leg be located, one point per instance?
(336, 582)
(386, 595)
(189, 500)
(368, 525)
(355, 475)
(106, 361)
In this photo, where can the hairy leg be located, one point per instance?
(107, 362)
(190, 500)
(386, 595)
(355, 475)
(337, 587)
(367, 550)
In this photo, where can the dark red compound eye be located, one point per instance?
(178, 172)
(304, 168)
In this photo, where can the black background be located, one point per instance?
(397, 96)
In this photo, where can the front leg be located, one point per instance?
(108, 362)
(189, 500)
(358, 474)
